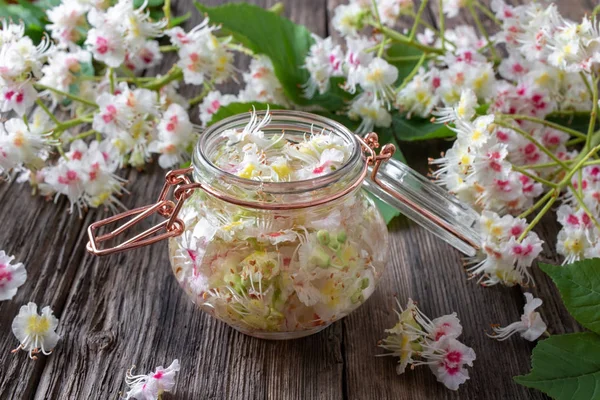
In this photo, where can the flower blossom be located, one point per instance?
(35, 332)
(152, 385)
(211, 104)
(19, 146)
(202, 56)
(503, 258)
(12, 276)
(418, 340)
(324, 61)
(86, 176)
(530, 327)
(175, 137)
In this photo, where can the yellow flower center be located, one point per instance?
(37, 326)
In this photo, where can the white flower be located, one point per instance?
(106, 45)
(17, 97)
(261, 83)
(530, 327)
(62, 71)
(402, 341)
(152, 385)
(446, 325)
(371, 111)
(11, 276)
(390, 10)
(377, 77)
(347, 18)
(211, 104)
(18, 145)
(452, 7)
(464, 110)
(324, 60)
(202, 55)
(67, 19)
(146, 56)
(175, 137)
(35, 332)
(447, 358)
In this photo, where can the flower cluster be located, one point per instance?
(509, 156)
(507, 254)
(418, 340)
(77, 69)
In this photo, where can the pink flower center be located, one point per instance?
(76, 155)
(101, 45)
(5, 276)
(158, 375)
(454, 357)
(516, 230)
(109, 115)
(214, 106)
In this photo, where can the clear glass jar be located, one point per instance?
(282, 260)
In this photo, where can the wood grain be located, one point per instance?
(127, 309)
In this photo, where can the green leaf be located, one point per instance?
(418, 129)
(284, 42)
(175, 21)
(405, 66)
(579, 286)
(577, 122)
(239, 108)
(151, 3)
(566, 367)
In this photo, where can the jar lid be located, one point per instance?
(426, 203)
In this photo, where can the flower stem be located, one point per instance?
(442, 23)
(575, 141)
(534, 141)
(167, 12)
(543, 211)
(111, 80)
(67, 95)
(167, 48)
(544, 122)
(82, 135)
(200, 97)
(533, 176)
(483, 31)
(537, 205)
(277, 8)
(593, 114)
(398, 37)
(381, 46)
(583, 206)
(583, 158)
(63, 126)
(174, 74)
(412, 74)
(240, 48)
(415, 26)
(488, 13)
(47, 111)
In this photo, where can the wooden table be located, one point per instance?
(128, 309)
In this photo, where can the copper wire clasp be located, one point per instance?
(176, 181)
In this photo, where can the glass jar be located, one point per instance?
(282, 260)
